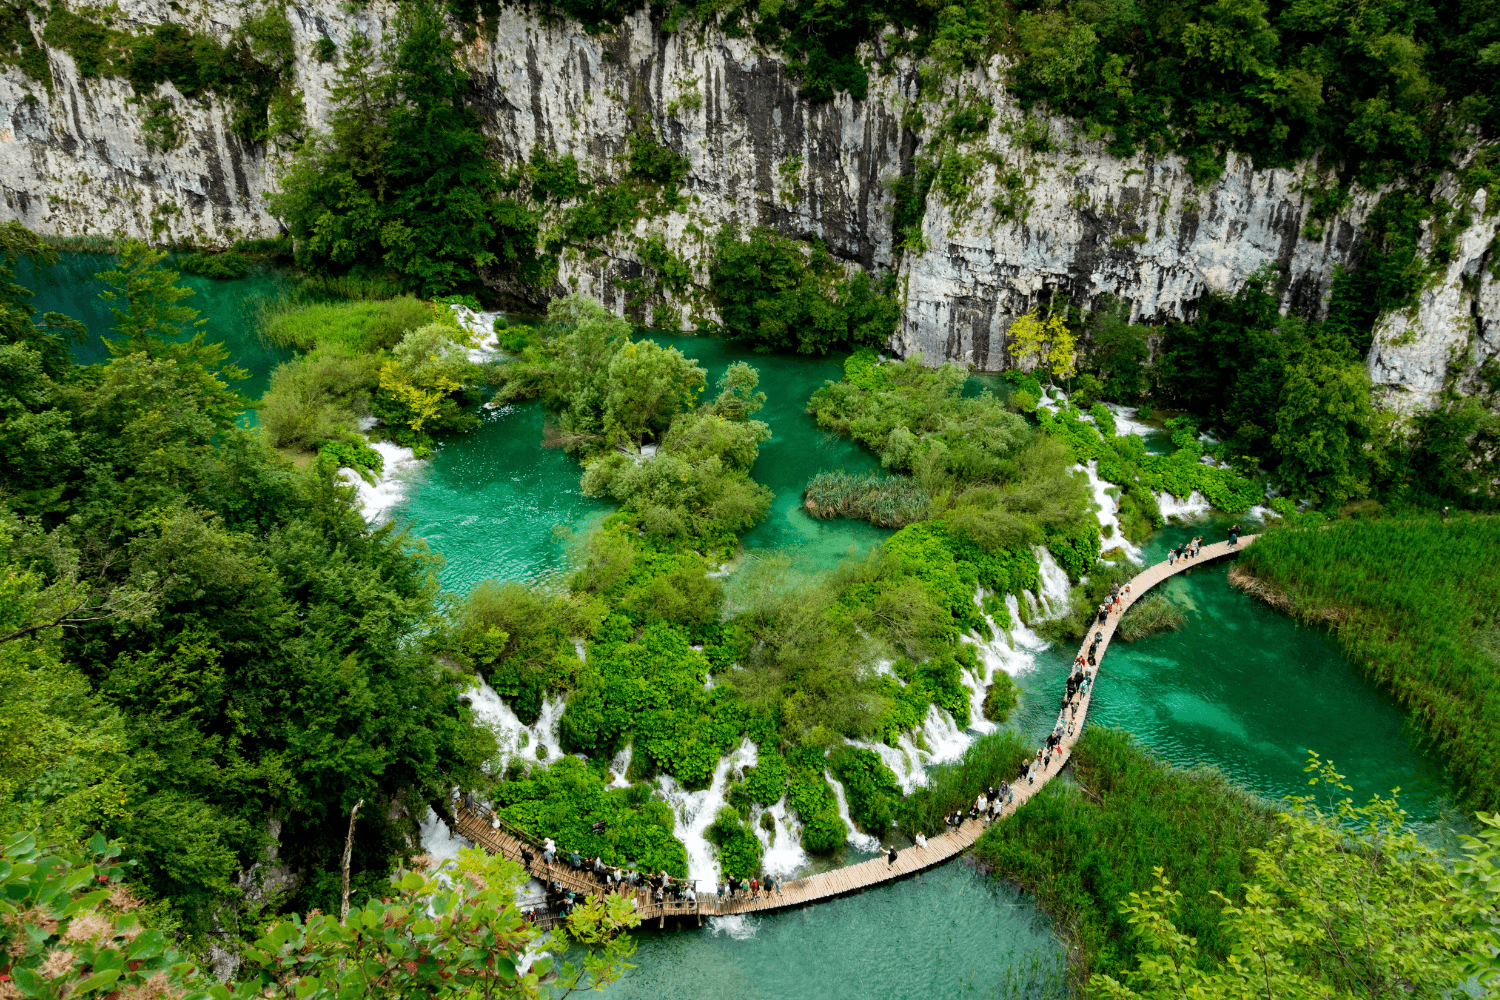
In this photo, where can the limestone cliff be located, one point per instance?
(1070, 219)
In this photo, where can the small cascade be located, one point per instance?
(1108, 514)
(782, 846)
(859, 841)
(400, 465)
(438, 843)
(621, 766)
(1195, 504)
(516, 739)
(1126, 422)
(1057, 594)
(695, 813)
(904, 760)
(481, 325)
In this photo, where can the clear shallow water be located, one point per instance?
(949, 932)
(231, 308)
(1249, 691)
(490, 500)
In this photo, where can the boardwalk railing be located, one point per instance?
(507, 840)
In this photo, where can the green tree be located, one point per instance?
(647, 387)
(402, 182)
(1323, 426)
(152, 323)
(1049, 342)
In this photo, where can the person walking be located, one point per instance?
(921, 840)
(549, 851)
(778, 883)
(755, 888)
(890, 856)
(1234, 536)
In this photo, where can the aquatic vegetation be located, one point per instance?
(1084, 846)
(358, 324)
(1155, 613)
(224, 266)
(1412, 600)
(884, 501)
(874, 794)
(1349, 902)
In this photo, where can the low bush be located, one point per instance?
(739, 849)
(873, 794)
(357, 325)
(225, 266)
(566, 799)
(318, 397)
(1000, 697)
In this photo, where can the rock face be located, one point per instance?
(1027, 224)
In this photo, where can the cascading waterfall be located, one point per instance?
(1108, 514)
(515, 738)
(695, 813)
(782, 846)
(620, 765)
(859, 841)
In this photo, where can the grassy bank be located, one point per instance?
(1082, 848)
(1414, 602)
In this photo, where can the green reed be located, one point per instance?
(1150, 616)
(884, 501)
(1417, 604)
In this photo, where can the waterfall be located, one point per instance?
(1195, 504)
(859, 841)
(620, 765)
(1056, 594)
(400, 466)
(781, 847)
(695, 813)
(1108, 514)
(516, 739)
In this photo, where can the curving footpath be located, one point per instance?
(854, 878)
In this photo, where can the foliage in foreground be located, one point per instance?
(1344, 903)
(72, 927)
(1413, 601)
(1084, 847)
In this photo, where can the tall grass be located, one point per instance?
(359, 326)
(1083, 847)
(884, 501)
(1150, 616)
(1417, 604)
(988, 761)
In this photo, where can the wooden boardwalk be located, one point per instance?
(854, 878)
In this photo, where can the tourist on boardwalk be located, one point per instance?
(598, 864)
(719, 890)
(526, 857)
(549, 851)
(890, 856)
(1234, 536)
(921, 841)
(778, 883)
(981, 807)
(689, 896)
(755, 888)
(744, 887)
(1006, 793)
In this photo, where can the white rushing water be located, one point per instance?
(695, 813)
(517, 739)
(1109, 514)
(400, 467)
(781, 847)
(859, 841)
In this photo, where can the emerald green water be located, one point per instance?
(1239, 687)
(1249, 691)
(230, 307)
(490, 501)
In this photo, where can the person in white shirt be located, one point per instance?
(921, 840)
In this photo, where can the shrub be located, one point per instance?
(988, 761)
(317, 397)
(1000, 697)
(872, 791)
(358, 325)
(226, 266)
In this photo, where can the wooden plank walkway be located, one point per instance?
(855, 878)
